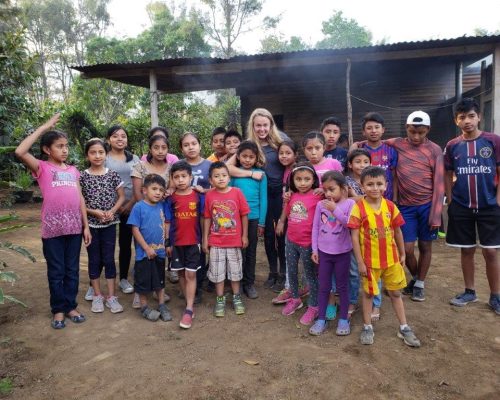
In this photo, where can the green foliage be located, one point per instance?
(24, 180)
(276, 43)
(6, 386)
(342, 32)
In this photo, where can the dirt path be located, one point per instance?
(124, 356)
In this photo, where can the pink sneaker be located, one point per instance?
(309, 316)
(291, 306)
(186, 320)
(303, 291)
(283, 297)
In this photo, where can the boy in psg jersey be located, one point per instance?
(474, 158)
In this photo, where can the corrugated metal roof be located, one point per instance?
(400, 46)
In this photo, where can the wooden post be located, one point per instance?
(459, 69)
(495, 107)
(153, 96)
(348, 98)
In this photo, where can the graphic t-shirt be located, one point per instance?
(376, 232)
(200, 174)
(328, 164)
(300, 213)
(184, 211)
(339, 154)
(475, 165)
(99, 192)
(61, 214)
(150, 219)
(225, 211)
(386, 157)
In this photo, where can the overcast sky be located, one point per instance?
(396, 21)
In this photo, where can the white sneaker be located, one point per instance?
(136, 303)
(89, 296)
(97, 304)
(125, 286)
(113, 305)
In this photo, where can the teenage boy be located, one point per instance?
(232, 140)
(474, 198)
(382, 155)
(420, 194)
(183, 211)
(330, 128)
(379, 250)
(225, 233)
(148, 228)
(219, 151)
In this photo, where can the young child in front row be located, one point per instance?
(299, 211)
(331, 249)
(379, 249)
(103, 192)
(64, 218)
(184, 211)
(225, 233)
(148, 228)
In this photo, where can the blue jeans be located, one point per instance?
(354, 284)
(62, 254)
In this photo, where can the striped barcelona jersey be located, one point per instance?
(475, 164)
(376, 232)
(386, 157)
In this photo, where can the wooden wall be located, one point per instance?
(393, 89)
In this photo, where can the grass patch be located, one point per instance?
(5, 386)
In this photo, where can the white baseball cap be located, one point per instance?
(418, 118)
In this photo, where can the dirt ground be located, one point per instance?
(124, 356)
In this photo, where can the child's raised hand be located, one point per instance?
(329, 204)
(51, 123)
(168, 192)
(150, 253)
(315, 258)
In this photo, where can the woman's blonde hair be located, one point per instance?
(274, 138)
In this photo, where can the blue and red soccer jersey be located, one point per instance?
(386, 157)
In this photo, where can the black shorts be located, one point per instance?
(149, 275)
(186, 257)
(462, 224)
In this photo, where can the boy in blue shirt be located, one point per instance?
(148, 228)
(474, 198)
(330, 128)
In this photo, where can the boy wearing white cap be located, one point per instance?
(420, 193)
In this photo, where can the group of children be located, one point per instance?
(338, 213)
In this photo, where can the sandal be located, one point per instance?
(375, 316)
(352, 311)
(58, 324)
(343, 328)
(150, 314)
(77, 318)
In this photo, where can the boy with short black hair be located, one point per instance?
(330, 128)
(474, 198)
(232, 140)
(217, 142)
(148, 228)
(225, 233)
(377, 239)
(183, 211)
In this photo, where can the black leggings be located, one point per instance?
(274, 245)
(125, 243)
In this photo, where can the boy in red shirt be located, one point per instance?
(225, 233)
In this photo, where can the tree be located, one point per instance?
(276, 43)
(229, 19)
(341, 32)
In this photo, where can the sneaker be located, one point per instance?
(136, 302)
(331, 312)
(291, 306)
(494, 303)
(125, 286)
(408, 337)
(279, 284)
(343, 328)
(271, 280)
(418, 294)
(318, 328)
(303, 291)
(186, 320)
(239, 307)
(174, 277)
(113, 305)
(220, 306)
(164, 313)
(150, 314)
(408, 290)
(309, 316)
(441, 235)
(367, 336)
(97, 304)
(462, 299)
(283, 297)
(89, 296)
(250, 291)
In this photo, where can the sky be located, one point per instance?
(389, 20)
